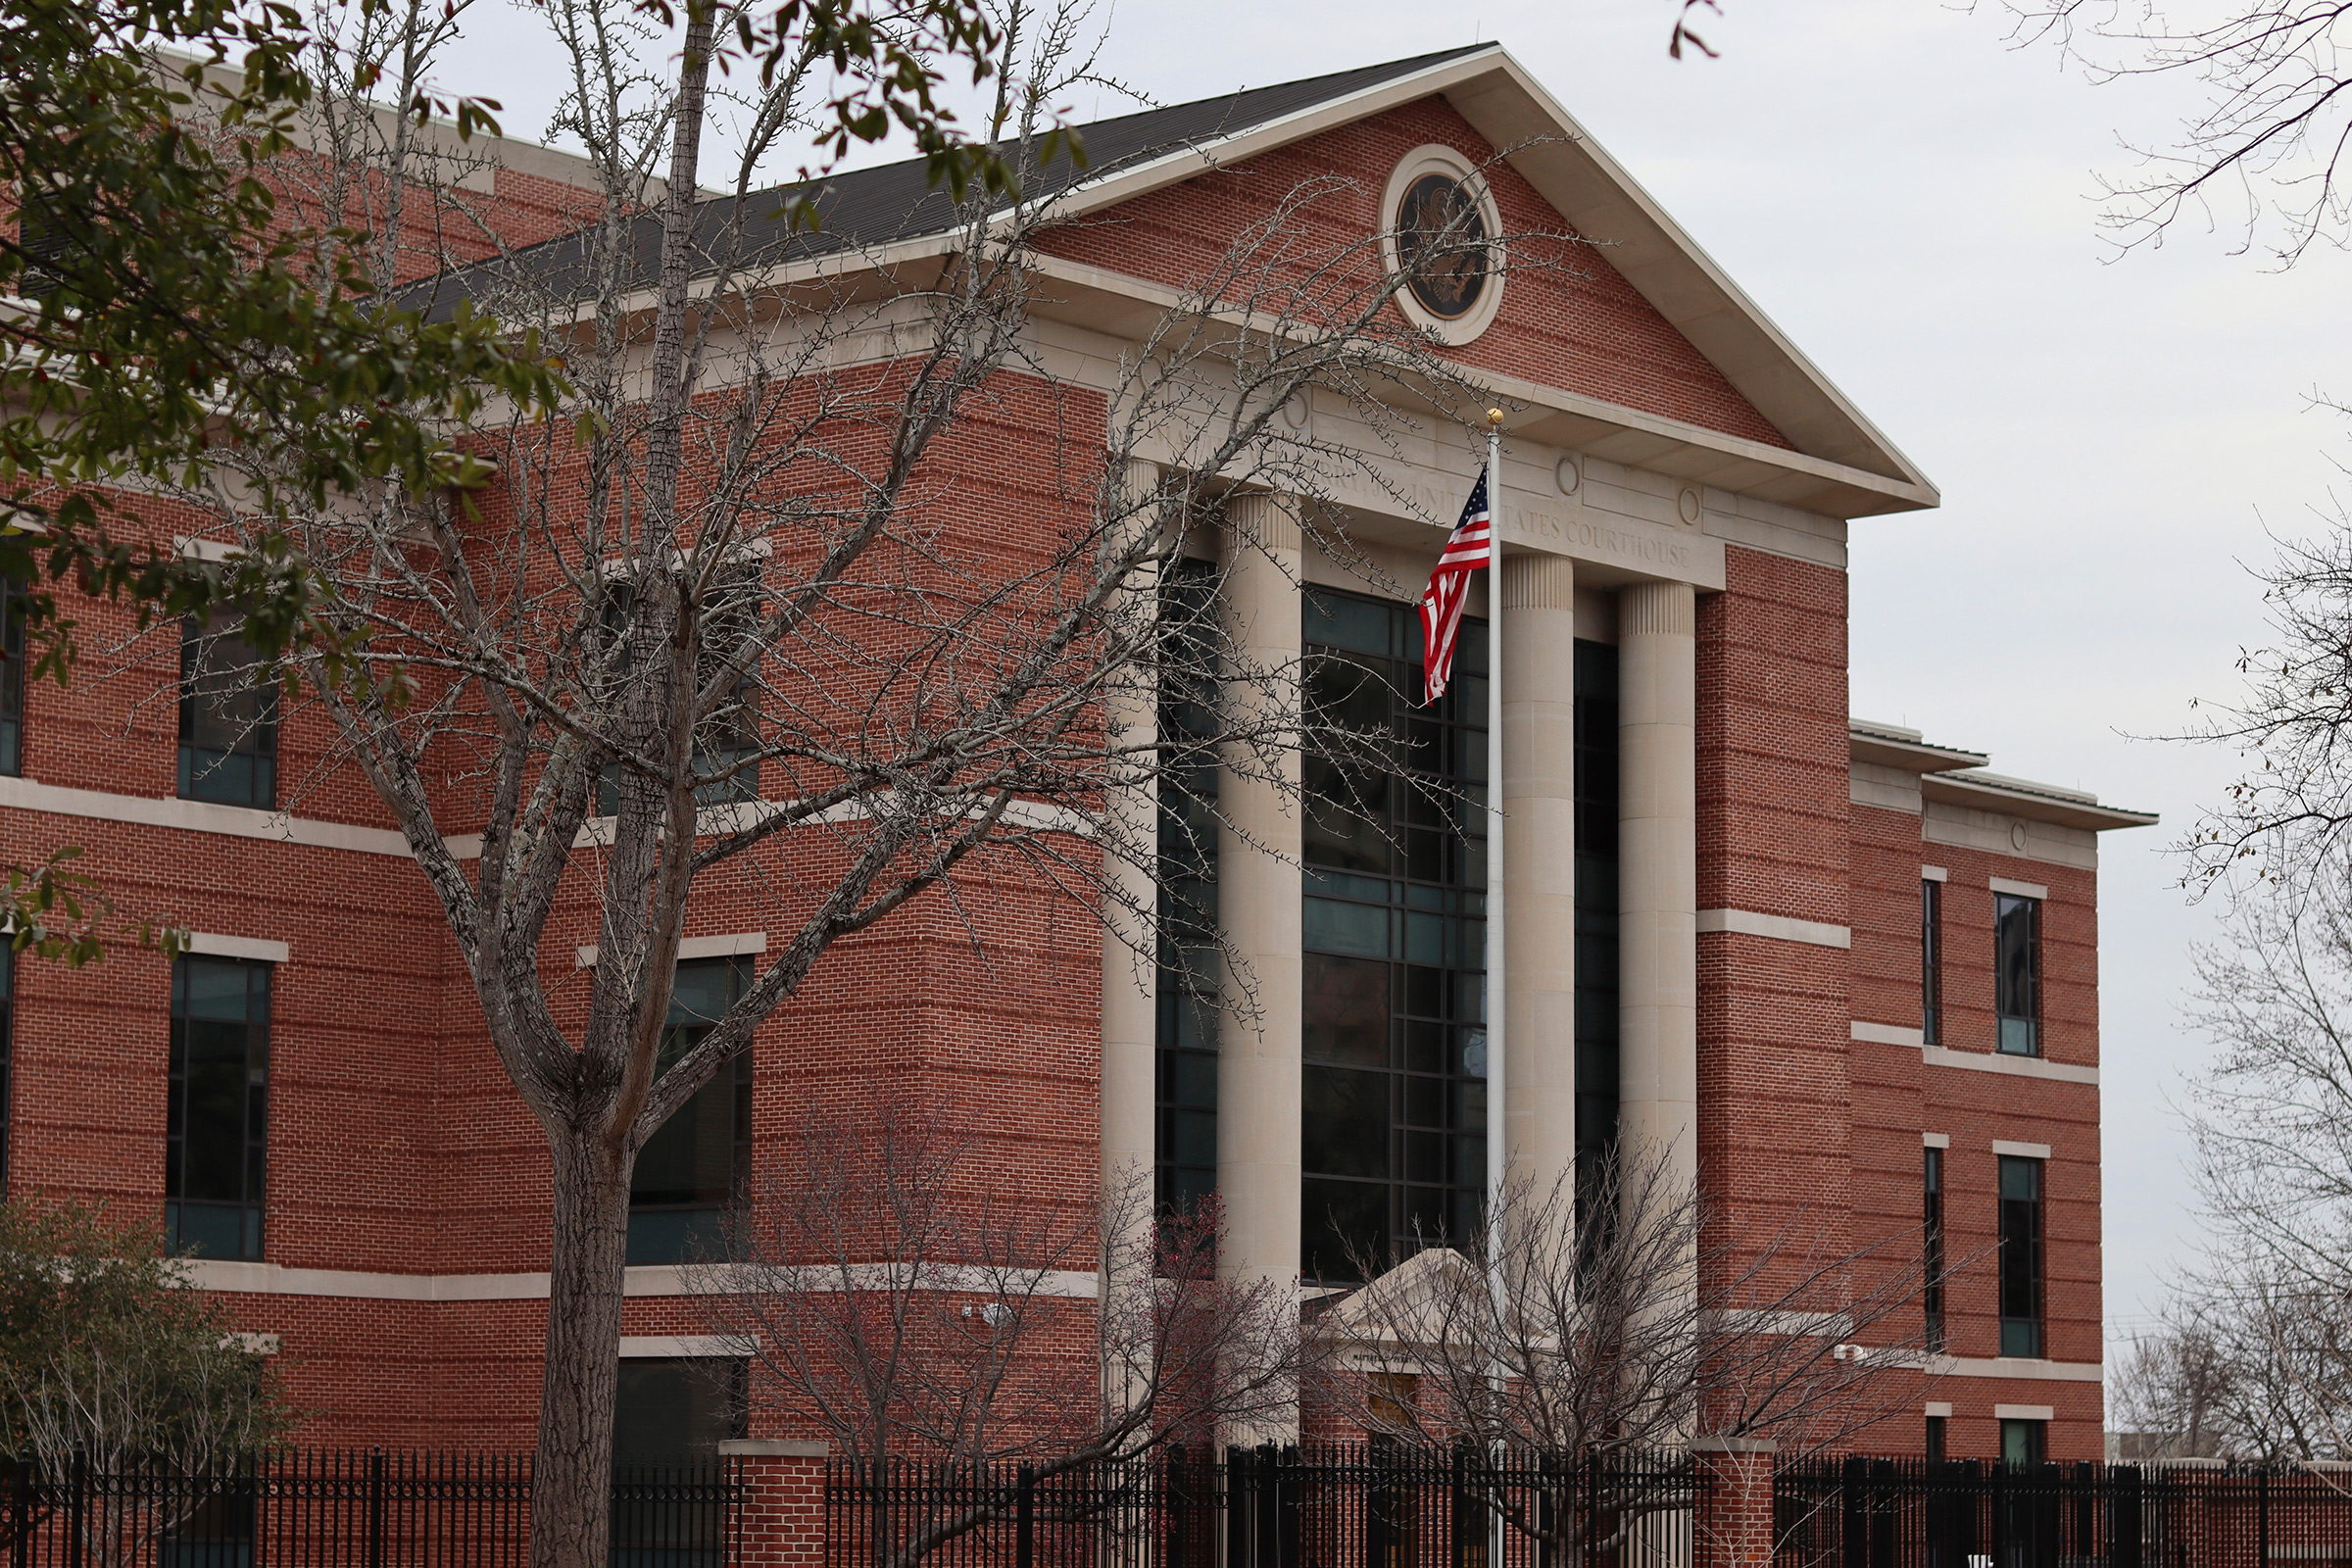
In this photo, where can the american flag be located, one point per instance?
(1466, 552)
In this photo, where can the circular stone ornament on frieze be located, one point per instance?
(1442, 234)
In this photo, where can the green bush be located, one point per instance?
(106, 1351)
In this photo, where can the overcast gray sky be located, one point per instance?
(1913, 201)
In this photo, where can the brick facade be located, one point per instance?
(407, 1187)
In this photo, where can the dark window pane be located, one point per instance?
(1341, 1221)
(1381, 1102)
(676, 1411)
(726, 740)
(47, 227)
(1346, 823)
(1358, 625)
(8, 1054)
(1597, 999)
(228, 720)
(1195, 1139)
(1931, 961)
(1345, 1122)
(2017, 973)
(2023, 1442)
(1335, 927)
(688, 1173)
(1347, 1012)
(1425, 1043)
(703, 992)
(2021, 1256)
(1195, 1077)
(218, 1120)
(12, 677)
(1931, 1250)
(1186, 1158)
(209, 1230)
(1423, 1221)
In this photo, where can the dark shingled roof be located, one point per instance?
(892, 202)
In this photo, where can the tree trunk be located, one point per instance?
(572, 1490)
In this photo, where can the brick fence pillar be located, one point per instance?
(780, 1522)
(1731, 1526)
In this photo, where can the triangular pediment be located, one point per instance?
(1653, 328)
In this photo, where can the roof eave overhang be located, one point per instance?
(1989, 795)
(1904, 749)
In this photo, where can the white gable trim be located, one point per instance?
(1594, 192)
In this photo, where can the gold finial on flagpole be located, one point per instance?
(1494, 415)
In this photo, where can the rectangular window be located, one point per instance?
(1597, 747)
(12, 678)
(726, 741)
(2020, 1254)
(1931, 1248)
(8, 1054)
(2025, 1443)
(1936, 1440)
(673, 1411)
(217, 1115)
(670, 1416)
(2017, 972)
(1394, 1084)
(1931, 961)
(1185, 1157)
(228, 720)
(690, 1171)
(45, 232)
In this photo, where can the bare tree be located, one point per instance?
(1625, 1321)
(2256, 1353)
(2286, 1351)
(736, 621)
(2282, 822)
(891, 1302)
(2264, 153)
(2165, 1398)
(2248, 1366)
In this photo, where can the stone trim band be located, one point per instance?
(1778, 927)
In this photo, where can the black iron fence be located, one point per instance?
(1376, 1506)
(1880, 1514)
(341, 1509)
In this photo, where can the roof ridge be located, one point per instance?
(1404, 65)
(1378, 71)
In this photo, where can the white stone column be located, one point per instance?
(1130, 1033)
(1130, 920)
(1658, 880)
(1538, 803)
(1259, 891)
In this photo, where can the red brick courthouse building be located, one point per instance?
(1837, 966)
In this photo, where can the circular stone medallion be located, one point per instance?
(1442, 245)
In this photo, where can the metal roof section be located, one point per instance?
(1843, 465)
(2043, 802)
(1958, 778)
(892, 202)
(1893, 746)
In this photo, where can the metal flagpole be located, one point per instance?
(1497, 1060)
